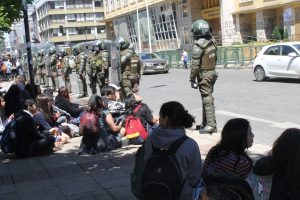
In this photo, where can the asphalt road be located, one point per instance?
(270, 106)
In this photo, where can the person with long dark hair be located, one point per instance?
(173, 120)
(229, 155)
(283, 163)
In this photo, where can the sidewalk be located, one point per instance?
(66, 175)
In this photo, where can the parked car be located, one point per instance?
(281, 60)
(152, 63)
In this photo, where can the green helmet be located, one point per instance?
(76, 50)
(201, 28)
(52, 50)
(123, 44)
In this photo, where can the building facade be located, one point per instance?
(69, 21)
(169, 24)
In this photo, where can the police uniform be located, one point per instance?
(203, 70)
(81, 62)
(54, 72)
(41, 69)
(130, 71)
(66, 71)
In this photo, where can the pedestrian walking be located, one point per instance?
(203, 74)
(185, 59)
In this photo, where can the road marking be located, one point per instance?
(282, 125)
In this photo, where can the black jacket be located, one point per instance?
(64, 104)
(26, 134)
(280, 182)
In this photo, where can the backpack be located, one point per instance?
(7, 141)
(134, 127)
(89, 123)
(162, 178)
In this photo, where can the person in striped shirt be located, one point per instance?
(229, 155)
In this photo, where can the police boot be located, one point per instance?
(211, 126)
(204, 122)
(56, 84)
(80, 87)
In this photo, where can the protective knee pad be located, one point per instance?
(207, 100)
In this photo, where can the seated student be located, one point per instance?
(3, 119)
(62, 101)
(283, 163)
(111, 100)
(45, 122)
(173, 121)
(13, 101)
(89, 128)
(226, 187)
(29, 141)
(229, 155)
(134, 105)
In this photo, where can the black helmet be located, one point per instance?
(201, 28)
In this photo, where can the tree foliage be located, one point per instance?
(10, 11)
(276, 34)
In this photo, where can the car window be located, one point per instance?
(145, 56)
(286, 50)
(274, 50)
(297, 46)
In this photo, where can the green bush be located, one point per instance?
(286, 35)
(276, 34)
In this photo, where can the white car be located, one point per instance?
(281, 60)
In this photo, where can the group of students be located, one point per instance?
(226, 167)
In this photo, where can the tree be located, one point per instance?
(286, 35)
(10, 11)
(276, 34)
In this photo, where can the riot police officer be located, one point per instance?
(203, 73)
(66, 70)
(81, 61)
(130, 68)
(53, 72)
(98, 66)
(25, 67)
(41, 68)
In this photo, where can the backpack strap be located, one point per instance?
(173, 147)
(136, 109)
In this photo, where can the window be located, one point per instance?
(81, 30)
(88, 3)
(71, 17)
(72, 31)
(59, 5)
(55, 32)
(58, 18)
(99, 3)
(183, 8)
(100, 29)
(71, 3)
(286, 50)
(275, 50)
(89, 16)
(297, 46)
(99, 16)
(79, 4)
(80, 17)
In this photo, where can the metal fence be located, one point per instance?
(231, 55)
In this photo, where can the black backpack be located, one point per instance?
(8, 139)
(162, 178)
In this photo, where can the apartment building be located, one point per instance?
(69, 21)
(169, 24)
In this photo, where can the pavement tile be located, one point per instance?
(122, 193)
(68, 170)
(19, 166)
(30, 176)
(77, 184)
(99, 165)
(6, 179)
(94, 195)
(45, 189)
(4, 169)
(55, 161)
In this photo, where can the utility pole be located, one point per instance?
(28, 44)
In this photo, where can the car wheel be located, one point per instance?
(259, 73)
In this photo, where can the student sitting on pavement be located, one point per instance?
(13, 100)
(173, 121)
(229, 155)
(62, 101)
(29, 141)
(3, 119)
(226, 187)
(135, 106)
(283, 163)
(44, 120)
